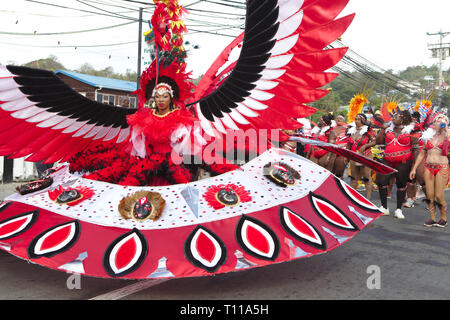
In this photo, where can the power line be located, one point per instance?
(82, 10)
(64, 32)
(68, 46)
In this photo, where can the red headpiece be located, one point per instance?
(174, 75)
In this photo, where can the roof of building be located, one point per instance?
(100, 82)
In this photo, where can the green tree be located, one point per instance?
(51, 63)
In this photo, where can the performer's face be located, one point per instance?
(321, 123)
(397, 119)
(440, 123)
(359, 121)
(162, 101)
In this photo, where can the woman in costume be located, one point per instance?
(340, 162)
(165, 145)
(361, 139)
(418, 180)
(115, 220)
(435, 152)
(324, 132)
(398, 153)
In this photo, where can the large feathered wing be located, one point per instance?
(44, 119)
(281, 66)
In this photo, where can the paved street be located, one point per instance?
(409, 261)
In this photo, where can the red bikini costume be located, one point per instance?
(341, 137)
(355, 145)
(398, 149)
(322, 136)
(434, 168)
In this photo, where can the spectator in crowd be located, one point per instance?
(125, 102)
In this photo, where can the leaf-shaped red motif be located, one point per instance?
(56, 238)
(125, 253)
(205, 247)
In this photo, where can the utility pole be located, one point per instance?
(139, 48)
(441, 51)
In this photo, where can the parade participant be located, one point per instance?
(398, 153)
(418, 180)
(340, 163)
(361, 139)
(324, 132)
(435, 151)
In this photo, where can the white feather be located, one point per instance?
(64, 124)
(254, 104)
(287, 7)
(277, 62)
(124, 134)
(204, 123)
(265, 85)
(26, 112)
(8, 84)
(284, 45)
(12, 94)
(17, 104)
(74, 126)
(272, 74)
(289, 26)
(103, 132)
(83, 130)
(4, 73)
(41, 117)
(51, 121)
(239, 118)
(428, 134)
(219, 125)
(93, 132)
(112, 133)
(246, 111)
(261, 95)
(227, 121)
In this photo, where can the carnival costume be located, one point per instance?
(366, 134)
(340, 131)
(275, 208)
(398, 153)
(323, 134)
(435, 158)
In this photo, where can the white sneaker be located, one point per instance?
(398, 214)
(409, 203)
(385, 211)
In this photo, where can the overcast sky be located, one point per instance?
(390, 33)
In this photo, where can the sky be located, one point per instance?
(390, 33)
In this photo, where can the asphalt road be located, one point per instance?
(389, 260)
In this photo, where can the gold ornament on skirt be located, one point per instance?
(142, 205)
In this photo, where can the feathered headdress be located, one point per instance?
(355, 107)
(424, 103)
(356, 104)
(167, 27)
(174, 75)
(389, 108)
